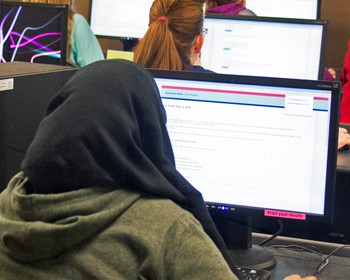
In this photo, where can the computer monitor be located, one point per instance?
(254, 147)
(125, 19)
(33, 32)
(272, 47)
(304, 9)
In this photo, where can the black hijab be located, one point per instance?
(107, 127)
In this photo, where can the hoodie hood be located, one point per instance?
(59, 221)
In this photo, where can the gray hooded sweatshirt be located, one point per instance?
(99, 233)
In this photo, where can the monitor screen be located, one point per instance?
(33, 32)
(126, 19)
(305, 9)
(253, 145)
(271, 47)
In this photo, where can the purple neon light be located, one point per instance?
(33, 40)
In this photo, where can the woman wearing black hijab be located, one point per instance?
(100, 197)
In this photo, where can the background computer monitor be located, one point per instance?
(254, 146)
(125, 19)
(33, 32)
(305, 9)
(272, 47)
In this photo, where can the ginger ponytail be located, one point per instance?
(173, 29)
(157, 48)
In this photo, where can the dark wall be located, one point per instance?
(337, 13)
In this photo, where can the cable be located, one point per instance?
(314, 250)
(311, 249)
(299, 248)
(279, 231)
(325, 261)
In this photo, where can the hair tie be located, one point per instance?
(164, 19)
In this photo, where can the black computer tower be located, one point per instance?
(25, 91)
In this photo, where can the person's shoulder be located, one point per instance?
(159, 208)
(247, 12)
(149, 209)
(81, 25)
(78, 18)
(197, 68)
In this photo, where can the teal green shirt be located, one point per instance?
(85, 47)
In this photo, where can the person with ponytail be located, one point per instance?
(83, 47)
(174, 37)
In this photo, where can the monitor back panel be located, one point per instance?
(25, 92)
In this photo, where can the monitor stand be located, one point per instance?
(129, 44)
(237, 234)
(256, 257)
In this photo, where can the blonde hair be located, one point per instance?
(174, 26)
(70, 18)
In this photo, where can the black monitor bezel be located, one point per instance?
(64, 22)
(334, 86)
(323, 23)
(318, 9)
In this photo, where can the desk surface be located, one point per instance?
(305, 263)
